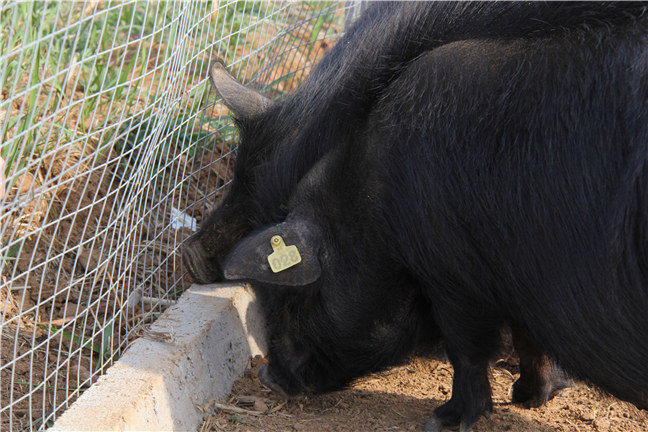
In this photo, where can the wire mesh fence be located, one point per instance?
(113, 148)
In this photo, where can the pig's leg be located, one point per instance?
(470, 344)
(540, 379)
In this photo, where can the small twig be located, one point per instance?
(278, 407)
(158, 301)
(207, 425)
(234, 409)
(499, 370)
(59, 321)
(156, 335)
(330, 408)
(402, 416)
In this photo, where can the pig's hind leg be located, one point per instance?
(540, 378)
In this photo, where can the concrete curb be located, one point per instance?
(193, 353)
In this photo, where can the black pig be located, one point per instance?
(491, 176)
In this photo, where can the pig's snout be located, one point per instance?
(198, 263)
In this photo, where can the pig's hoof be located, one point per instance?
(465, 427)
(436, 425)
(433, 425)
(533, 396)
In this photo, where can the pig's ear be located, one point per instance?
(249, 259)
(242, 101)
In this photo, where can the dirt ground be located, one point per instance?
(53, 284)
(403, 398)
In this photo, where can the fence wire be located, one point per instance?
(114, 148)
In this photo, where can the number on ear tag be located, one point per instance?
(283, 256)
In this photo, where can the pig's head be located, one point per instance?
(232, 220)
(336, 315)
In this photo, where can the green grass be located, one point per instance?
(97, 65)
(51, 60)
(103, 349)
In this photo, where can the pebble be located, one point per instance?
(587, 416)
(602, 424)
(259, 405)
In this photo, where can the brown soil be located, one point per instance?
(403, 398)
(51, 337)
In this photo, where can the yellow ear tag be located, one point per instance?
(283, 256)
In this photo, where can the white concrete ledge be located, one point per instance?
(192, 354)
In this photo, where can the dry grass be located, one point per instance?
(108, 129)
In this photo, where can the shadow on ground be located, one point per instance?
(400, 399)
